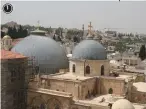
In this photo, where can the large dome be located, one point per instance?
(89, 49)
(47, 54)
(122, 104)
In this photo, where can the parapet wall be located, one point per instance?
(106, 83)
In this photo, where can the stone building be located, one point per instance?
(13, 80)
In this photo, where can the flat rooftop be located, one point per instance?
(108, 98)
(51, 92)
(139, 106)
(125, 76)
(71, 76)
(141, 86)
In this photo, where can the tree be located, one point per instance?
(59, 31)
(120, 47)
(2, 34)
(142, 53)
(110, 91)
(49, 30)
(17, 32)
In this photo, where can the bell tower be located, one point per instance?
(89, 29)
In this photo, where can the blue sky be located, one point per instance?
(126, 16)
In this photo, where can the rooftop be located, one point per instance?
(51, 92)
(108, 98)
(141, 86)
(71, 76)
(10, 55)
(139, 106)
(67, 76)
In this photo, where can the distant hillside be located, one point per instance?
(11, 24)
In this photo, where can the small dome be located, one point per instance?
(7, 37)
(122, 104)
(48, 55)
(89, 49)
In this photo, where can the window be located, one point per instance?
(14, 95)
(13, 75)
(110, 91)
(87, 70)
(57, 106)
(42, 106)
(74, 68)
(102, 70)
(19, 71)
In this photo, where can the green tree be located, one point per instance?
(142, 53)
(49, 30)
(120, 47)
(2, 34)
(110, 91)
(59, 31)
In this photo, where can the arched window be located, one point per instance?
(74, 68)
(102, 70)
(57, 106)
(42, 106)
(110, 91)
(87, 70)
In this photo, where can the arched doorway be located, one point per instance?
(73, 68)
(42, 106)
(54, 103)
(38, 103)
(87, 69)
(102, 70)
(57, 106)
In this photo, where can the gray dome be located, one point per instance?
(48, 55)
(89, 49)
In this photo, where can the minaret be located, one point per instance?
(89, 32)
(38, 26)
(89, 28)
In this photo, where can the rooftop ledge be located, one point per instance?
(51, 92)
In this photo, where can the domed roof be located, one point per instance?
(89, 49)
(47, 54)
(122, 104)
(6, 37)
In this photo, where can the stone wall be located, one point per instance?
(49, 99)
(95, 67)
(13, 83)
(80, 106)
(64, 86)
(117, 85)
(88, 88)
(137, 97)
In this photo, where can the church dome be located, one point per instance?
(46, 53)
(89, 49)
(6, 37)
(122, 104)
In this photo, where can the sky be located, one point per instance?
(121, 16)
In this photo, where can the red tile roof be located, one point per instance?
(10, 55)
